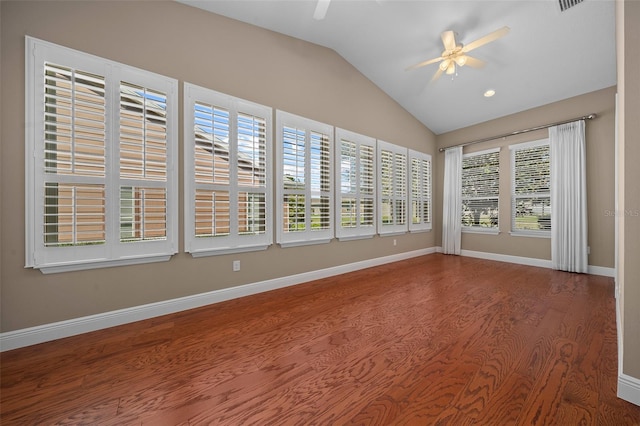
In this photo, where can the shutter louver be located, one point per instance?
(400, 188)
(392, 189)
(531, 198)
(305, 181)
(480, 190)
(320, 185)
(251, 173)
(74, 157)
(227, 164)
(355, 183)
(420, 187)
(143, 164)
(367, 186)
(386, 176)
(143, 133)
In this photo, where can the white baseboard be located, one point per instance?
(629, 388)
(529, 261)
(58, 330)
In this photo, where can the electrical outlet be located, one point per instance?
(588, 249)
(236, 265)
(395, 243)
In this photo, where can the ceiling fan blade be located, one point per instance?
(449, 40)
(321, 9)
(437, 75)
(423, 63)
(473, 62)
(486, 39)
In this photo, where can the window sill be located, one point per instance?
(231, 250)
(355, 237)
(480, 231)
(543, 234)
(392, 233)
(287, 244)
(81, 266)
(417, 231)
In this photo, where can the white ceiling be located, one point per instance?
(547, 56)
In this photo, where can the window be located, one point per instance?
(530, 189)
(304, 187)
(420, 191)
(101, 181)
(355, 184)
(227, 173)
(480, 189)
(392, 189)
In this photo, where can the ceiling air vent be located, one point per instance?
(566, 4)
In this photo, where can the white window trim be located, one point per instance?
(233, 243)
(359, 231)
(306, 237)
(513, 148)
(475, 229)
(393, 229)
(112, 252)
(424, 226)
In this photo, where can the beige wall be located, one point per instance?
(208, 50)
(600, 138)
(629, 176)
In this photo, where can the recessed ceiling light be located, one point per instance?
(489, 93)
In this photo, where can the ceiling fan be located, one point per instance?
(455, 54)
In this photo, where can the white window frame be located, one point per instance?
(399, 182)
(309, 235)
(521, 232)
(112, 252)
(234, 242)
(356, 192)
(420, 190)
(479, 229)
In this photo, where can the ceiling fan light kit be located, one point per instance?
(455, 55)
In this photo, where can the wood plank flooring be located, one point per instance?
(434, 340)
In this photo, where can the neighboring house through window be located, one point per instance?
(480, 191)
(227, 173)
(530, 189)
(101, 146)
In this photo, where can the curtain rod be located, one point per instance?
(517, 132)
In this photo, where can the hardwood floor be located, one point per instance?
(432, 340)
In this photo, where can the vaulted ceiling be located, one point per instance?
(547, 56)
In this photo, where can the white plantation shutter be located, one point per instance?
(304, 187)
(143, 164)
(480, 190)
(531, 183)
(392, 189)
(99, 163)
(420, 191)
(74, 157)
(355, 184)
(227, 169)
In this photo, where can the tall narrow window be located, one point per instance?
(420, 191)
(392, 189)
(100, 164)
(304, 187)
(480, 190)
(355, 184)
(530, 189)
(227, 169)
